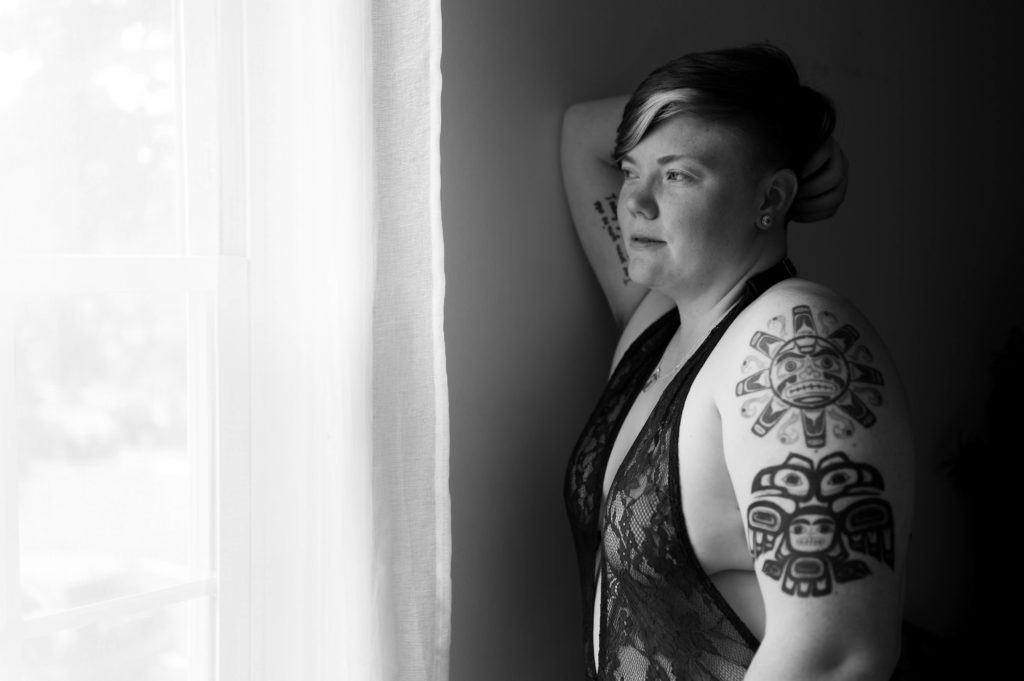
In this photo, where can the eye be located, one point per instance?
(627, 173)
(790, 365)
(678, 176)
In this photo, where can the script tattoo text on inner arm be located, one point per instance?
(607, 208)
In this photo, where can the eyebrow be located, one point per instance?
(626, 158)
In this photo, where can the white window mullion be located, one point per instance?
(199, 173)
(232, 124)
(10, 578)
(233, 626)
(117, 607)
(64, 273)
(200, 428)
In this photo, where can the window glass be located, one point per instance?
(108, 491)
(112, 429)
(152, 646)
(88, 126)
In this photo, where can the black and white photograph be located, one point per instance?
(551, 340)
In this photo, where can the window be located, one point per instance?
(124, 496)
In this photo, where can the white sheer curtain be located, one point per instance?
(351, 541)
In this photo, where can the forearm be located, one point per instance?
(592, 182)
(590, 127)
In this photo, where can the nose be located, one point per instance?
(640, 202)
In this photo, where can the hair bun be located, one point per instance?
(812, 120)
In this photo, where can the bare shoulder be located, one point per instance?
(808, 367)
(795, 291)
(797, 313)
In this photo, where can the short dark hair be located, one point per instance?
(755, 88)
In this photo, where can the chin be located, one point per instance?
(640, 274)
(649, 277)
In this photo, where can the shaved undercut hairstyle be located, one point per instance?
(755, 89)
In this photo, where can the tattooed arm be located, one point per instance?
(592, 181)
(817, 444)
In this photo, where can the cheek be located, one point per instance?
(708, 218)
(699, 215)
(726, 211)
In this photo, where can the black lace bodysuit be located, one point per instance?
(661, 617)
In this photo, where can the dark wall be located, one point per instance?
(926, 244)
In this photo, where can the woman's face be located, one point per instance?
(689, 202)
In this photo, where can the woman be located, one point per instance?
(741, 496)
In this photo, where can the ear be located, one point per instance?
(779, 190)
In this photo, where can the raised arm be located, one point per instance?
(818, 446)
(592, 181)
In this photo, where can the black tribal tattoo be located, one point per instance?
(811, 520)
(608, 208)
(816, 377)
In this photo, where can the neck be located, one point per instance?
(720, 287)
(702, 306)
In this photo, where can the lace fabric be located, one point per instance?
(661, 617)
(585, 473)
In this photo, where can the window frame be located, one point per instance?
(212, 270)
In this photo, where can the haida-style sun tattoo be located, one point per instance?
(608, 209)
(816, 377)
(810, 520)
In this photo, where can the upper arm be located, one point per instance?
(817, 443)
(591, 182)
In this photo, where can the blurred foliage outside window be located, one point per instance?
(91, 166)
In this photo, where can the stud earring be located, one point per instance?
(766, 221)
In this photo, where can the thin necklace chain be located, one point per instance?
(656, 374)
